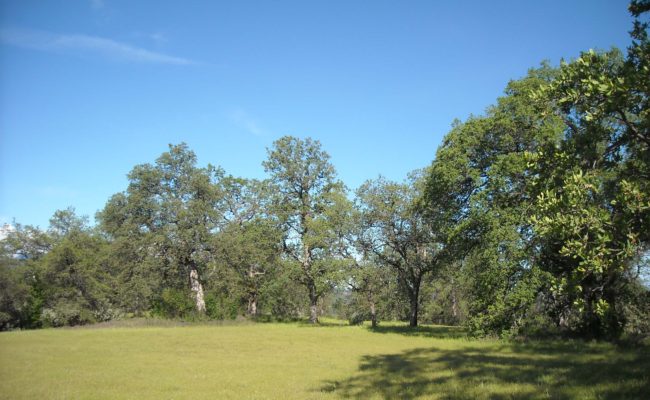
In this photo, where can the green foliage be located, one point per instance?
(138, 279)
(163, 226)
(25, 243)
(249, 244)
(76, 286)
(586, 250)
(569, 148)
(374, 293)
(395, 234)
(222, 306)
(443, 300)
(54, 278)
(21, 297)
(281, 297)
(310, 205)
(174, 303)
(592, 210)
(478, 195)
(19, 304)
(66, 222)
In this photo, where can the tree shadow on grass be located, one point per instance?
(432, 331)
(502, 371)
(322, 324)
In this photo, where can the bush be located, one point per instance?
(357, 318)
(174, 303)
(66, 313)
(221, 306)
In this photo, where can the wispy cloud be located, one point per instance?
(157, 38)
(97, 4)
(106, 48)
(56, 192)
(244, 121)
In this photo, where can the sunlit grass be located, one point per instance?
(299, 361)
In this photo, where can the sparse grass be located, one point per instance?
(144, 359)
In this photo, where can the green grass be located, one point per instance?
(297, 361)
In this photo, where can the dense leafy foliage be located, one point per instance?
(395, 234)
(312, 208)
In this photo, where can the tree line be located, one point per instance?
(532, 219)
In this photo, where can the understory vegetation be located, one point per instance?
(532, 220)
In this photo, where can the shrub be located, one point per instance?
(174, 303)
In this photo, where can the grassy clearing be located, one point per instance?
(296, 361)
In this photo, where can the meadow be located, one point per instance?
(164, 360)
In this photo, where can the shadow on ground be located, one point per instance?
(501, 371)
(430, 331)
(322, 324)
(437, 331)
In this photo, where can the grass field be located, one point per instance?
(297, 361)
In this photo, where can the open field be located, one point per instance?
(296, 361)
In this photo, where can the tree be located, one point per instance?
(569, 147)
(311, 206)
(76, 281)
(395, 232)
(592, 211)
(587, 246)
(250, 242)
(56, 277)
(478, 199)
(19, 307)
(169, 213)
(445, 296)
(66, 222)
(33, 281)
(369, 281)
(252, 250)
(26, 242)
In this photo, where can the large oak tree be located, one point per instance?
(311, 206)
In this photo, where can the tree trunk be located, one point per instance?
(413, 318)
(313, 303)
(197, 290)
(454, 306)
(252, 305)
(454, 302)
(252, 292)
(373, 311)
(415, 305)
(311, 285)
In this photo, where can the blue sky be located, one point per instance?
(90, 88)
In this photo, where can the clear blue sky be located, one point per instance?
(90, 88)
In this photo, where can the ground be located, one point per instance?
(160, 360)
